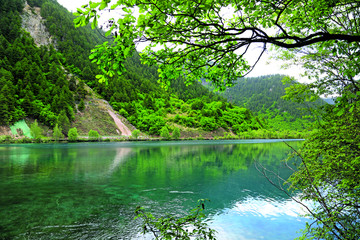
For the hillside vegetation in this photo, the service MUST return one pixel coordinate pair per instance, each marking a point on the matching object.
(48, 83)
(263, 95)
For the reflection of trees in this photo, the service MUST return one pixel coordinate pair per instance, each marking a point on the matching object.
(62, 184)
(223, 173)
(215, 160)
(48, 160)
(120, 158)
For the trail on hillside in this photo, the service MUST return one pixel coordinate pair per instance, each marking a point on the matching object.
(125, 131)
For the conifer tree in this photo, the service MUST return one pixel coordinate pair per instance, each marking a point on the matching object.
(35, 130)
(57, 132)
(63, 122)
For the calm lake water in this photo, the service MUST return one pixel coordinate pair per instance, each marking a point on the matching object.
(90, 190)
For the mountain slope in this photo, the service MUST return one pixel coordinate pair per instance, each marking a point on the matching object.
(263, 96)
(48, 82)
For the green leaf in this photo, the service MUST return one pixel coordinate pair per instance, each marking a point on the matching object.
(94, 5)
(114, 6)
(103, 6)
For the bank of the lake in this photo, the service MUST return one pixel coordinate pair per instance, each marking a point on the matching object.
(90, 190)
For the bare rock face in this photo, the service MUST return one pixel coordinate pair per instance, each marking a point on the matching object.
(33, 23)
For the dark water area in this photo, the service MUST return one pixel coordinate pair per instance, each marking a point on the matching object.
(90, 190)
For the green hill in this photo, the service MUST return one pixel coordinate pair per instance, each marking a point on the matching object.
(46, 80)
(263, 96)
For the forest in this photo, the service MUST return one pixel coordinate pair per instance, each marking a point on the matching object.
(47, 83)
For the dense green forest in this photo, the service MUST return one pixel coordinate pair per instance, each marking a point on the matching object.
(263, 95)
(32, 81)
(36, 84)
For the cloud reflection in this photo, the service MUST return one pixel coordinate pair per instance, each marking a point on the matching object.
(259, 218)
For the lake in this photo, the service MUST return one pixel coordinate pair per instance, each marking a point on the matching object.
(90, 190)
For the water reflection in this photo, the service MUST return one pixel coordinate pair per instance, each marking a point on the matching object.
(256, 218)
(91, 190)
(122, 154)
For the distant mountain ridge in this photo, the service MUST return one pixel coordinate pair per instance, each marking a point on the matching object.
(265, 92)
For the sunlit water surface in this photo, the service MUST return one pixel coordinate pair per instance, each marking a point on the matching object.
(90, 190)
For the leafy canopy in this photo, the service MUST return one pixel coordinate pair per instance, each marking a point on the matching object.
(210, 38)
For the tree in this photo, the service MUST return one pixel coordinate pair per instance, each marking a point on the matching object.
(164, 133)
(197, 40)
(35, 130)
(57, 132)
(63, 121)
(72, 134)
(94, 135)
(81, 105)
(135, 134)
(176, 133)
(187, 227)
(329, 174)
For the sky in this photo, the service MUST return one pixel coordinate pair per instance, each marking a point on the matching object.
(264, 67)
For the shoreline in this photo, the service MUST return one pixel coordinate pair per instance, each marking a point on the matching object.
(128, 139)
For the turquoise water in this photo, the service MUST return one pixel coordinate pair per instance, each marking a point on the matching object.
(90, 190)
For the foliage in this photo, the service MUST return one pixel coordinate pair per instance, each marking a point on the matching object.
(190, 226)
(94, 135)
(57, 132)
(63, 122)
(135, 134)
(32, 81)
(72, 134)
(81, 106)
(329, 173)
(194, 39)
(176, 133)
(264, 96)
(164, 133)
(35, 130)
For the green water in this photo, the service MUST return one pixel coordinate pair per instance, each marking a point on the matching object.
(90, 190)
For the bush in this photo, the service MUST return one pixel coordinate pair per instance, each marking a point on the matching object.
(72, 134)
(81, 106)
(94, 135)
(35, 130)
(123, 113)
(198, 104)
(164, 133)
(57, 132)
(176, 133)
(208, 124)
(135, 134)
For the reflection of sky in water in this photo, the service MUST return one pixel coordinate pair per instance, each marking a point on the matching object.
(80, 190)
(256, 218)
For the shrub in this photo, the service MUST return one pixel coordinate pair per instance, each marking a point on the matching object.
(176, 133)
(208, 124)
(57, 132)
(72, 134)
(135, 134)
(94, 135)
(81, 106)
(123, 113)
(164, 132)
(35, 130)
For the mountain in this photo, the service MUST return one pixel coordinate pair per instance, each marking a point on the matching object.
(263, 96)
(45, 71)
